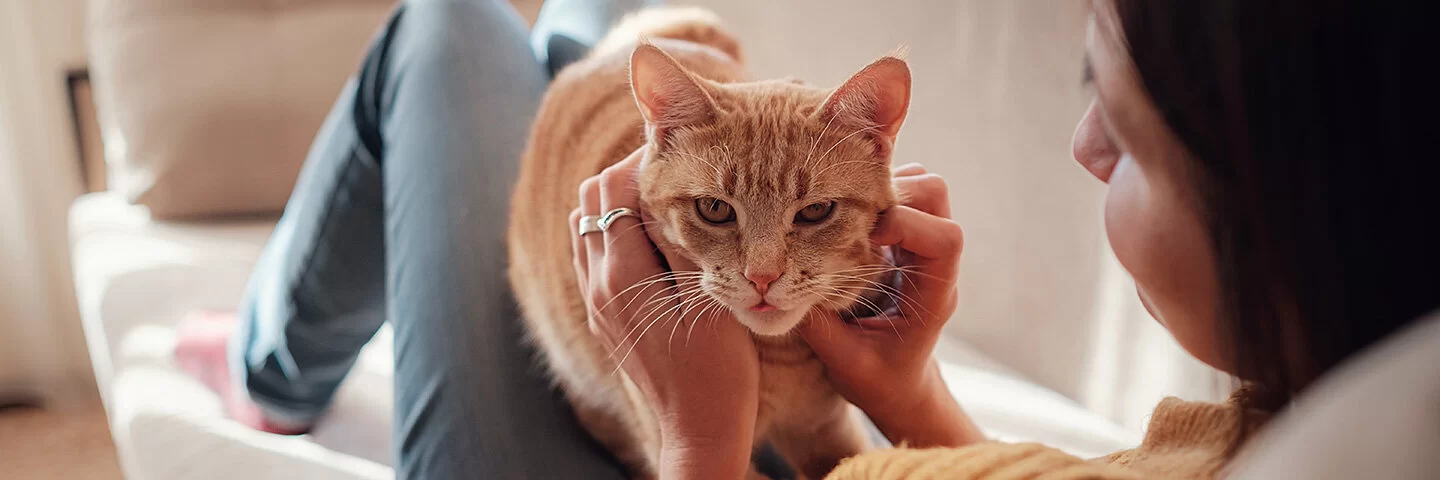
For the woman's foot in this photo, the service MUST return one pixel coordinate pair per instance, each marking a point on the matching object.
(200, 350)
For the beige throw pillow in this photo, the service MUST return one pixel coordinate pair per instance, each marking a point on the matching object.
(208, 107)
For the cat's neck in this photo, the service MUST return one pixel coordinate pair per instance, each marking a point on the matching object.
(783, 349)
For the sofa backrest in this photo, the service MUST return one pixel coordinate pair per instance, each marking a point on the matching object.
(208, 107)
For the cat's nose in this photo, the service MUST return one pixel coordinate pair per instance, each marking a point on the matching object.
(762, 280)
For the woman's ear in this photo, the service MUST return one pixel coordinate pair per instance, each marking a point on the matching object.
(667, 94)
(876, 98)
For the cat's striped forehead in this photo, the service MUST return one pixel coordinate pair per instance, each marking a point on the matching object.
(771, 147)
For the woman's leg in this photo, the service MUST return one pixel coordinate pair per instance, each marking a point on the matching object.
(400, 214)
(566, 29)
(459, 93)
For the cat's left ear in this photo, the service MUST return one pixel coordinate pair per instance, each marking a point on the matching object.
(876, 98)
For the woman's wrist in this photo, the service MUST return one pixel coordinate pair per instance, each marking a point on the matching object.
(706, 433)
(932, 417)
(710, 448)
(691, 457)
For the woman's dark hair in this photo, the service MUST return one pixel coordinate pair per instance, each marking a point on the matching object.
(1313, 151)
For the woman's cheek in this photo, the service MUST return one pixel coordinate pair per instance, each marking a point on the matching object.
(1126, 221)
(1164, 247)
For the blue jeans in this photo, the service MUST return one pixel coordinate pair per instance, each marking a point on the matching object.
(399, 215)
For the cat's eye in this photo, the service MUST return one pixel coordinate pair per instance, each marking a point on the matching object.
(715, 210)
(815, 212)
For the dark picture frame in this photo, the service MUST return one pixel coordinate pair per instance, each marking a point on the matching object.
(85, 125)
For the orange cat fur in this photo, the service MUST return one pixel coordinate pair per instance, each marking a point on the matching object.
(804, 170)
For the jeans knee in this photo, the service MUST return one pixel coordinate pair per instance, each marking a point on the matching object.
(454, 31)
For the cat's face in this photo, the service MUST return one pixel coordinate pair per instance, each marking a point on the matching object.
(771, 188)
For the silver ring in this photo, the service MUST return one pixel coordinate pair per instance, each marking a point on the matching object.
(587, 225)
(591, 224)
(610, 217)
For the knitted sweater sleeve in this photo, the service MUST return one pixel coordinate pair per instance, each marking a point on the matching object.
(987, 461)
(1185, 440)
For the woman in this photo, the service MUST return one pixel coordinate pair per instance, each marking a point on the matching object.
(1269, 191)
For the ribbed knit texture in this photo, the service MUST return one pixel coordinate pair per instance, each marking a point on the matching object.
(1185, 440)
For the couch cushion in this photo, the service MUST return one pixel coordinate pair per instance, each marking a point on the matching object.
(135, 279)
(209, 106)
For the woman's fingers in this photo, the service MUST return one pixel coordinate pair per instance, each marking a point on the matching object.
(630, 257)
(579, 257)
(934, 243)
(590, 206)
(908, 169)
(925, 235)
(926, 192)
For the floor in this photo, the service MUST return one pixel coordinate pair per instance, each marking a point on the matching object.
(38, 443)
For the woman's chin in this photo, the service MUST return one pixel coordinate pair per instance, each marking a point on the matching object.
(1149, 307)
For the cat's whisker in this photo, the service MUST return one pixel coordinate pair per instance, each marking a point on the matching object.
(635, 226)
(806, 165)
(861, 299)
(718, 174)
(695, 301)
(904, 273)
(667, 295)
(709, 306)
(856, 297)
(621, 363)
(891, 291)
(829, 294)
(821, 312)
(679, 291)
(904, 270)
(900, 299)
(842, 140)
(848, 162)
(683, 306)
(658, 319)
(636, 326)
(698, 316)
(644, 282)
(645, 315)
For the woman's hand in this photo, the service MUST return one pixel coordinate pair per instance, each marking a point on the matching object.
(703, 385)
(883, 364)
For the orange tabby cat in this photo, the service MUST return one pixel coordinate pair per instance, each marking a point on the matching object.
(771, 187)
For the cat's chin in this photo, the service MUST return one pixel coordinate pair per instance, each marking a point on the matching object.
(773, 323)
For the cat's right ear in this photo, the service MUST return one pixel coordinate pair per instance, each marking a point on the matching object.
(876, 100)
(668, 96)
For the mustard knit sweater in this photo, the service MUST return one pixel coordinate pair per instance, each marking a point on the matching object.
(1185, 440)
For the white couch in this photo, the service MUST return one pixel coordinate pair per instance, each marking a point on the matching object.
(136, 277)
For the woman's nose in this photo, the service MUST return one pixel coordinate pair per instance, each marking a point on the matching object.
(1092, 145)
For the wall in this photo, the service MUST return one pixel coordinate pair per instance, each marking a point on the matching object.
(42, 350)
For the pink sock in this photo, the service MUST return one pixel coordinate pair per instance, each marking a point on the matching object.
(201, 343)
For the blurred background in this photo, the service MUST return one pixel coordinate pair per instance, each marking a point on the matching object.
(141, 110)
